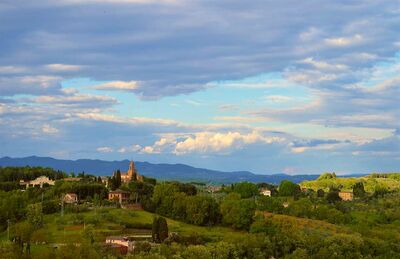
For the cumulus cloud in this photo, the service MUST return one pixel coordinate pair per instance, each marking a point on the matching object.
(211, 142)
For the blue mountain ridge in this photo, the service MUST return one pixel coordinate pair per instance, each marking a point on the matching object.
(179, 172)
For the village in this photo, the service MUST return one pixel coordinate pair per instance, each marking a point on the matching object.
(119, 195)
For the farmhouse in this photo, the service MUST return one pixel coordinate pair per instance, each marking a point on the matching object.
(346, 196)
(265, 192)
(118, 195)
(40, 181)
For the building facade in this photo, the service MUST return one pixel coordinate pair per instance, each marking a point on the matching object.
(40, 181)
(119, 195)
(131, 175)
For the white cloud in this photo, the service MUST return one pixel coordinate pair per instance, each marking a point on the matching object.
(214, 142)
(105, 149)
(131, 149)
(344, 41)
(323, 65)
(11, 69)
(118, 86)
(278, 98)
(49, 129)
(63, 67)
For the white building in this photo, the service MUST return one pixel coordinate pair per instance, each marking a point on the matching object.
(265, 192)
(40, 181)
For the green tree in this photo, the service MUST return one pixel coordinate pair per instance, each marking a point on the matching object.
(159, 229)
(246, 189)
(155, 230)
(162, 229)
(118, 180)
(163, 198)
(34, 215)
(237, 213)
(321, 193)
(288, 188)
(358, 190)
(333, 196)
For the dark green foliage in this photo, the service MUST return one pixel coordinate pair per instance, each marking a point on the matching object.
(82, 189)
(237, 213)
(320, 193)
(246, 189)
(15, 174)
(333, 196)
(201, 210)
(270, 204)
(288, 188)
(358, 190)
(162, 229)
(187, 188)
(159, 229)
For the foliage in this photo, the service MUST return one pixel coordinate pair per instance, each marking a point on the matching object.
(288, 188)
(237, 213)
(159, 229)
(15, 174)
(246, 189)
(358, 190)
(333, 196)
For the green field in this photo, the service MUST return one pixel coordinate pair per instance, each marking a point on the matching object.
(105, 222)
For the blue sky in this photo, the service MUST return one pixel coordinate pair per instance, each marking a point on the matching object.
(264, 86)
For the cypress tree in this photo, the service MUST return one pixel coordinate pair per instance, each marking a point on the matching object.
(155, 230)
(162, 229)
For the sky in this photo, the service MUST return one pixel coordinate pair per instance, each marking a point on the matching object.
(264, 86)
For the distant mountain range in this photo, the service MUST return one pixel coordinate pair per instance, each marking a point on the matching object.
(179, 172)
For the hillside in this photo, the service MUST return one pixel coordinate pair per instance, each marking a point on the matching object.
(160, 171)
(391, 182)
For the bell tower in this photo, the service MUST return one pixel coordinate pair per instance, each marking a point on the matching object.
(131, 170)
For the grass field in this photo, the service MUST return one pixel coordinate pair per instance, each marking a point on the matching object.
(111, 222)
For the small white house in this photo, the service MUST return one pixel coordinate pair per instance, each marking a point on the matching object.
(265, 192)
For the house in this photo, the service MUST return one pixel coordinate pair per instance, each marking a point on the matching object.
(71, 198)
(212, 188)
(346, 196)
(125, 243)
(120, 242)
(119, 195)
(132, 174)
(265, 192)
(40, 181)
